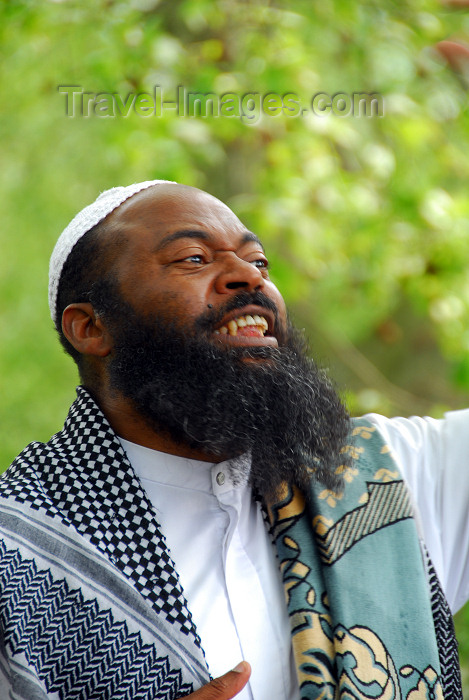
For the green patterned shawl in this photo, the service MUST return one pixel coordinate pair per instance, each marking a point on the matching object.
(355, 583)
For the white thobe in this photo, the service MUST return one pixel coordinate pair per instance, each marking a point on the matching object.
(227, 564)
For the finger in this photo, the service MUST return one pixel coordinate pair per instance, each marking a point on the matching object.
(225, 687)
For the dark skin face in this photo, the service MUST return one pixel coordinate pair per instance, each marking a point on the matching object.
(183, 252)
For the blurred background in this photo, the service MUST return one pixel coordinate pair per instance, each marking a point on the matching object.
(364, 212)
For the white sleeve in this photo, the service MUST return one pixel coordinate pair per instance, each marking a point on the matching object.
(434, 459)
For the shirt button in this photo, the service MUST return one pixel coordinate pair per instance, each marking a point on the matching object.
(220, 478)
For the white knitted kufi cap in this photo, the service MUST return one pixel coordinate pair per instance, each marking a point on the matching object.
(83, 222)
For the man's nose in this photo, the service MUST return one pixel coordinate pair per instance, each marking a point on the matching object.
(238, 274)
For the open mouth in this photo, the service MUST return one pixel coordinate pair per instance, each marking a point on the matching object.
(248, 329)
(247, 326)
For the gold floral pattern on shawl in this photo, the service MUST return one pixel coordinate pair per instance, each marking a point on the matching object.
(337, 655)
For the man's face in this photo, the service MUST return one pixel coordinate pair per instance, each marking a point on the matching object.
(184, 270)
(185, 256)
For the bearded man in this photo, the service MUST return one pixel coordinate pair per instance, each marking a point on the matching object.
(209, 499)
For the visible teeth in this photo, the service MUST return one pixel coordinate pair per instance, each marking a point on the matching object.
(260, 321)
(232, 327)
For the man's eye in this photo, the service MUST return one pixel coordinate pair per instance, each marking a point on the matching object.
(194, 258)
(261, 263)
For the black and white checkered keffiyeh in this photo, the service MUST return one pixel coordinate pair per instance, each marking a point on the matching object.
(81, 486)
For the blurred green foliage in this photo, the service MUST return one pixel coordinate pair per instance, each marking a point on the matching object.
(365, 219)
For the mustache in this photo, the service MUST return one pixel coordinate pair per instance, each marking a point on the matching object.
(212, 318)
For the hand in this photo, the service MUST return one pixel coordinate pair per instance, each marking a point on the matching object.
(224, 687)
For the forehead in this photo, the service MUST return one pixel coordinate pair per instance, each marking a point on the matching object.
(164, 209)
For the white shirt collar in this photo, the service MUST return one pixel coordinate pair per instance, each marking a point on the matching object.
(197, 475)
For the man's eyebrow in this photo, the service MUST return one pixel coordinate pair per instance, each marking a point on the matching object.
(249, 237)
(203, 235)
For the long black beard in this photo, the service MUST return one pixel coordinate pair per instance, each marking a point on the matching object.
(272, 402)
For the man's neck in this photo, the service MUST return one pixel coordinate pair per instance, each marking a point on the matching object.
(130, 425)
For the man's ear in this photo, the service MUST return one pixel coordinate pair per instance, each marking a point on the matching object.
(85, 330)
